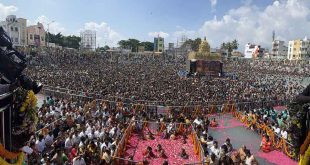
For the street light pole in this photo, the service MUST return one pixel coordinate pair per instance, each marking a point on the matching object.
(48, 36)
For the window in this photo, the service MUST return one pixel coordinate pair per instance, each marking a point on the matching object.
(16, 39)
(11, 28)
(42, 38)
(31, 36)
(16, 29)
(160, 45)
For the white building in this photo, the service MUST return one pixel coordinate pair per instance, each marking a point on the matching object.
(299, 49)
(88, 40)
(253, 51)
(16, 29)
(305, 48)
(279, 49)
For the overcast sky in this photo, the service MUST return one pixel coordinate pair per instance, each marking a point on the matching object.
(219, 20)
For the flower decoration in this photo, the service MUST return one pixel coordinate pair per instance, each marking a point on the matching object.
(10, 155)
(24, 116)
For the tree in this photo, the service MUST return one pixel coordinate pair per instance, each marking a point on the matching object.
(129, 44)
(134, 44)
(124, 44)
(230, 46)
(148, 46)
(65, 41)
(106, 47)
(71, 41)
(195, 44)
(103, 49)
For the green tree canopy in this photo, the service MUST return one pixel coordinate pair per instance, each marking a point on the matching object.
(148, 46)
(230, 46)
(194, 44)
(71, 41)
(134, 43)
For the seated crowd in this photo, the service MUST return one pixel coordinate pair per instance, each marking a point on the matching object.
(71, 134)
(78, 132)
(223, 154)
(277, 120)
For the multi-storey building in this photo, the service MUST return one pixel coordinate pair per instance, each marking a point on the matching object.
(298, 49)
(279, 49)
(253, 51)
(305, 48)
(88, 40)
(16, 29)
(159, 44)
(36, 35)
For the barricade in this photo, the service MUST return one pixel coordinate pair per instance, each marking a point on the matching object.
(278, 142)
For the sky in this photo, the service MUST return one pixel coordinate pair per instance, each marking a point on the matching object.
(248, 21)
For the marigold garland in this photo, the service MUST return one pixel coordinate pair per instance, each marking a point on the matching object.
(7, 154)
(31, 100)
(281, 144)
(19, 161)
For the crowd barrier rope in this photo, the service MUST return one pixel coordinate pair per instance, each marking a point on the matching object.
(214, 107)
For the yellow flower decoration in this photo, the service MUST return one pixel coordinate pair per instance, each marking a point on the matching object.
(19, 161)
(31, 100)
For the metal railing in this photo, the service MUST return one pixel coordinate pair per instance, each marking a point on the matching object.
(6, 120)
(240, 105)
(66, 91)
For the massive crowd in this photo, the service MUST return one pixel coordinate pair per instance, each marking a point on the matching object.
(73, 133)
(155, 79)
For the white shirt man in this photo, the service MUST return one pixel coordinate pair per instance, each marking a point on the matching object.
(112, 132)
(277, 130)
(81, 134)
(49, 139)
(76, 139)
(197, 121)
(90, 135)
(68, 143)
(40, 145)
(284, 134)
(216, 151)
(79, 161)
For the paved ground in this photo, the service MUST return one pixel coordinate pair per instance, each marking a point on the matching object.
(239, 135)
